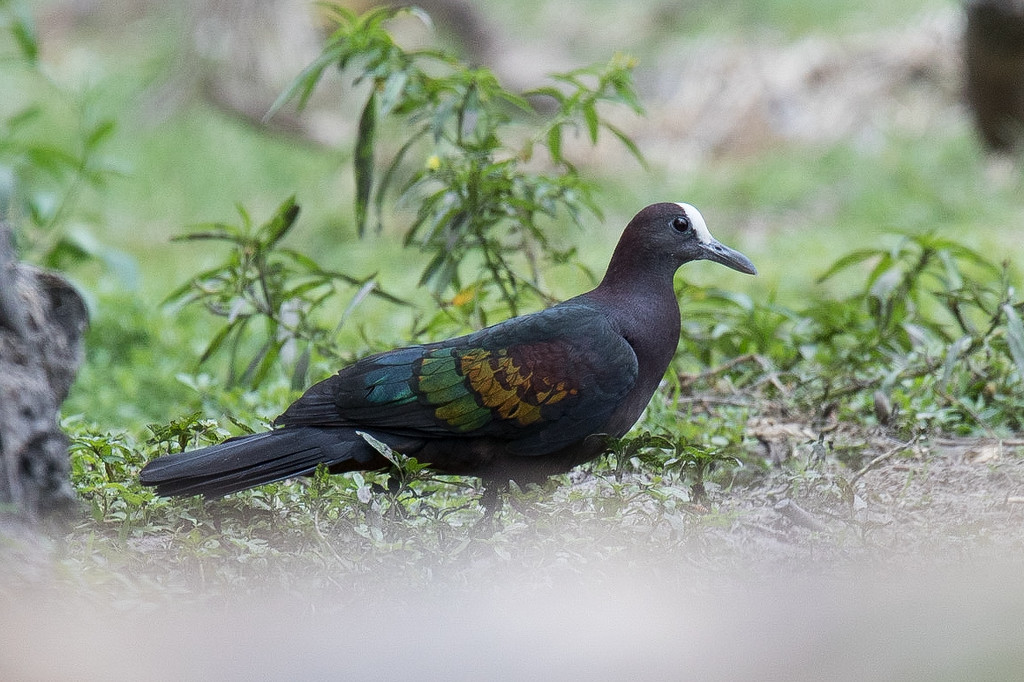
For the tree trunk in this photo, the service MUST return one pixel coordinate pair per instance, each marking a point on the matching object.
(42, 319)
(994, 58)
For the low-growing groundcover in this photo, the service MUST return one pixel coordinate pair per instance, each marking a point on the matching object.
(872, 422)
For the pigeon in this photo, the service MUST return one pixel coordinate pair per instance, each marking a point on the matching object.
(524, 399)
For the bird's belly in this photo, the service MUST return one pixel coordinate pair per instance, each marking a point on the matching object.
(492, 460)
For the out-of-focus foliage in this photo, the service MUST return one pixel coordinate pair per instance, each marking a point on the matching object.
(51, 150)
(450, 142)
(280, 288)
(480, 207)
(935, 330)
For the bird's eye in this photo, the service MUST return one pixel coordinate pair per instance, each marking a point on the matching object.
(681, 223)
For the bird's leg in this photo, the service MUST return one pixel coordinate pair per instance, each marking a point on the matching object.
(491, 500)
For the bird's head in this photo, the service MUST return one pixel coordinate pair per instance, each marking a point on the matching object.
(697, 243)
(666, 235)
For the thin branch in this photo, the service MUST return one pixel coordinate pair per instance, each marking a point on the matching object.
(688, 379)
(902, 447)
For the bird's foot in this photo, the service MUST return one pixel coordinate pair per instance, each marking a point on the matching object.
(492, 502)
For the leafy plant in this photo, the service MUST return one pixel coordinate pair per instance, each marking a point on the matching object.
(51, 149)
(679, 455)
(262, 283)
(178, 434)
(99, 462)
(939, 322)
(935, 328)
(899, 293)
(480, 208)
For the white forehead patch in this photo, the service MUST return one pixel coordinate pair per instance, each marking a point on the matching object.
(699, 226)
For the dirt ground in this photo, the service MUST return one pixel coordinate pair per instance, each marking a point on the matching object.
(902, 565)
(915, 577)
(961, 499)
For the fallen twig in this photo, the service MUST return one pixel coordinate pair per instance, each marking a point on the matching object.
(687, 379)
(881, 458)
(967, 442)
(715, 400)
(798, 515)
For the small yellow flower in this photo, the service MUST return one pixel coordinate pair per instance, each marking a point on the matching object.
(624, 61)
(463, 297)
(434, 162)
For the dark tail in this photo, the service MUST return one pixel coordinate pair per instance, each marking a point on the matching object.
(248, 461)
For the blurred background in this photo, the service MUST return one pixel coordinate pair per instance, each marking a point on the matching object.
(801, 129)
(804, 131)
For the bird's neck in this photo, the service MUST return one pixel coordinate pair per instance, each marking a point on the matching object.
(645, 312)
(642, 306)
(638, 278)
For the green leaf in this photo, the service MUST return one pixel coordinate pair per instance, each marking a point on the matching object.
(515, 100)
(276, 228)
(555, 143)
(300, 370)
(886, 283)
(23, 117)
(628, 143)
(268, 363)
(302, 289)
(67, 252)
(262, 362)
(440, 273)
(383, 448)
(848, 261)
(216, 342)
(98, 134)
(54, 160)
(1015, 337)
(954, 280)
(210, 232)
(553, 93)
(364, 160)
(24, 33)
(244, 215)
(368, 288)
(962, 252)
(953, 353)
(393, 167)
(590, 116)
(307, 80)
(393, 89)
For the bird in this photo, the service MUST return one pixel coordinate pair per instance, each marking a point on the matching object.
(527, 398)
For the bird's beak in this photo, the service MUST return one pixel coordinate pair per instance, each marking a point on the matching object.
(731, 258)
